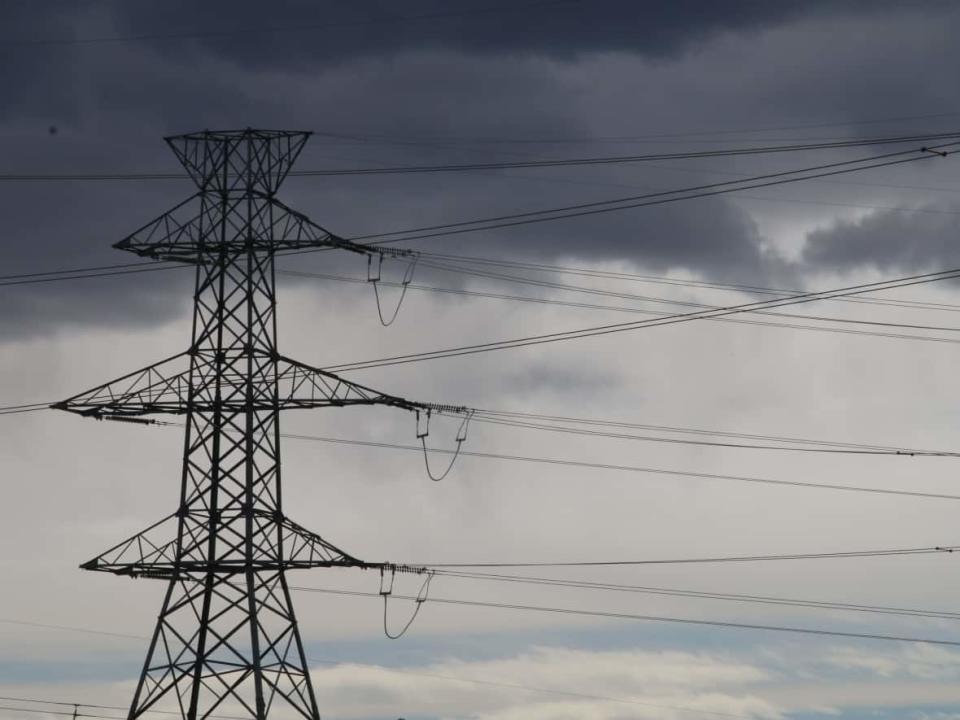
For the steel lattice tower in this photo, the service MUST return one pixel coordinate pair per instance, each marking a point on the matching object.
(227, 635)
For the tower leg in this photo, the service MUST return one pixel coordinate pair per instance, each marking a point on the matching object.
(226, 643)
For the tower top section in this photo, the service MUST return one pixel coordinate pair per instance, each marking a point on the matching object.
(250, 160)
(236, 210)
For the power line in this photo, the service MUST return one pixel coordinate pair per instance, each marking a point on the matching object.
(518, 164)
(31, 278)
(493, 416)
(97, 268)
(836, 555)
(563, 422)
(590, 422)
(107, 271)
(632, 616)
(60, 712)
(435, 676)
(45, 626)
(60, 275)
(615, 308)
(94, 706)
(658, 198)
(638, 324)
(681, 441)
(57, 275)
(701, 595)
(634, 138)
(609, 466)
(625, 468)
(542, 178)
(618, 159)
(102, 271)
(668, 301)
(661, 280)
(366, 665)
(472, 681)
(18, 409)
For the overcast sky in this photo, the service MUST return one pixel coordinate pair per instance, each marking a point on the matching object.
(94, 89)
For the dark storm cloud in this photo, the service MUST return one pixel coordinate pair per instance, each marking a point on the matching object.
(888, 242)
(309, 30)
(535, 73)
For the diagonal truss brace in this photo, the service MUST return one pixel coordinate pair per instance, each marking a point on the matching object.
(183, 234)
(153, 553)
(163, 388)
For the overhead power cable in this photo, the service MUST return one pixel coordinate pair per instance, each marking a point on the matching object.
(619, 159)
(654, 322)
(53, 276)
(95, 706)
(623, 468)
(669, 472)
(403, 671)
(647, 618)
(47, 626)
(662, 280)
(610, 466)
(620, 308)
(425, 674)
(541, 163)
(18, 409)
(670, 301)
(630, 138)
(727, 438)
(60, 276)
(486, 152)
(627, 468)
(65, 713)
(106, 271)
(411, 233)
(659, 197)
(151, 266)
(699, 595)
(836, 555)
(494, 420)
(755, 437)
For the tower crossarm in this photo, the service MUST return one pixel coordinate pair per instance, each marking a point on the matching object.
(302, 385)
(163, 388)
(159, 388)
(205, 229)
(155, 552)
(350, 245)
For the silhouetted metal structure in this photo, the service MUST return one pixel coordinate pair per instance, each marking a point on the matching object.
(227, 635)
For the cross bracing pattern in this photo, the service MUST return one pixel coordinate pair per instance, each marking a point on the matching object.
(164, 388)
(227, 635)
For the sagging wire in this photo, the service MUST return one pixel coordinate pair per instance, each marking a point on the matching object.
(423, 430)
(373, 276)
(386, 589)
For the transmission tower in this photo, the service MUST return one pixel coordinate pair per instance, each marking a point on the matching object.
(227, 638)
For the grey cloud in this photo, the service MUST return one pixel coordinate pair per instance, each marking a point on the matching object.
(113, 102)
(888, 241)
(563, 29)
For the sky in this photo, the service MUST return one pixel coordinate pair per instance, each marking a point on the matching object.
(94, 89)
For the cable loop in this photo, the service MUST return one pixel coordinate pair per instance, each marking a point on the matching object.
(373, 276)
(424, 430)
(422, 596)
